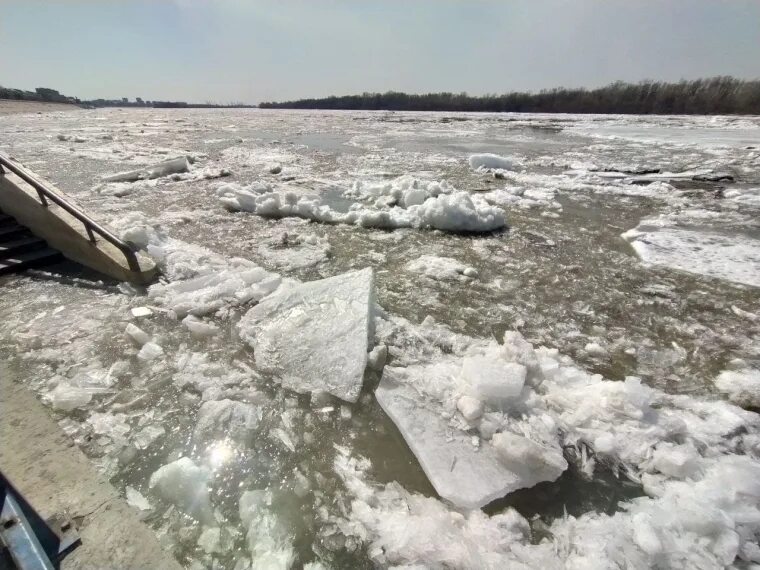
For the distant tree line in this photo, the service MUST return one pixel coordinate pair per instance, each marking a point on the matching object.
(52, 96)
(711, 96)
(39, 94)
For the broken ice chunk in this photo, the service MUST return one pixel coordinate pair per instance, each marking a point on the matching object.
(138, 312)
(470, 408)
(226, 419)
(467, 476)
(313, 336)
(198, 328)
(67, 397)
(184, 484)
(137, 334)
(493, 380)
(150, 351)
(531, 460)
(377, 357)
(137, 500)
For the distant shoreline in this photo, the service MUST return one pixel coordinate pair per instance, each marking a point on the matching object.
(15, 106)
(710, 96)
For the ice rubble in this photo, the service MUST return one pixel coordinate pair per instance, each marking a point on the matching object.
(268, 540)
(742, 386)
(734, 258)
(698, 461)
(313, 336)
(441, 268)
(405, 204)
(199, 282)
(487, 161)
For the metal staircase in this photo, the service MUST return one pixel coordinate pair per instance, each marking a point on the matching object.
(20, 249)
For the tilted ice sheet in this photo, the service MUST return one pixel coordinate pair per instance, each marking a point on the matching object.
(732, 257)
(468, 474)
(313, 336)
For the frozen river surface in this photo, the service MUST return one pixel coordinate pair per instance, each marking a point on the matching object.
(411, 340)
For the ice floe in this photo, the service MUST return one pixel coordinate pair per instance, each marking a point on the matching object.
(732, 257)
(313, 336)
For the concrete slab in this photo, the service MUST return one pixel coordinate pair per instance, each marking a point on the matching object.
(56, 477)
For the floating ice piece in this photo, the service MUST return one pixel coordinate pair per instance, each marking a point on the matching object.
(137, 500)
(440, 268)
(184, 484)
(313, 336)
(735, 258)
(67, 397)
(176, 165)
(226, 419)
(198, 328)
(150, 351)
(466, 476)
(489, 161)
(137, 334)
(138, 312)
(377, 357)
(741, 386)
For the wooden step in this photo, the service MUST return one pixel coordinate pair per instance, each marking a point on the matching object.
(29, 259)
(23, 244)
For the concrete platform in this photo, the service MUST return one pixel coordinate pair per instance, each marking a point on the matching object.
(56, 477)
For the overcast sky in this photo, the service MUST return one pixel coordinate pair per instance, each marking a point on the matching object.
(257, 50)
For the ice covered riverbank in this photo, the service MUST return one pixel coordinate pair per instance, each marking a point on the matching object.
(342, 395)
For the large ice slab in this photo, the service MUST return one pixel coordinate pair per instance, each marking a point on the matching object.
(313, 336)
(735, 258)
(470, 476)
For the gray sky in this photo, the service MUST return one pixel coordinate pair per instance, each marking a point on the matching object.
(251, 51)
